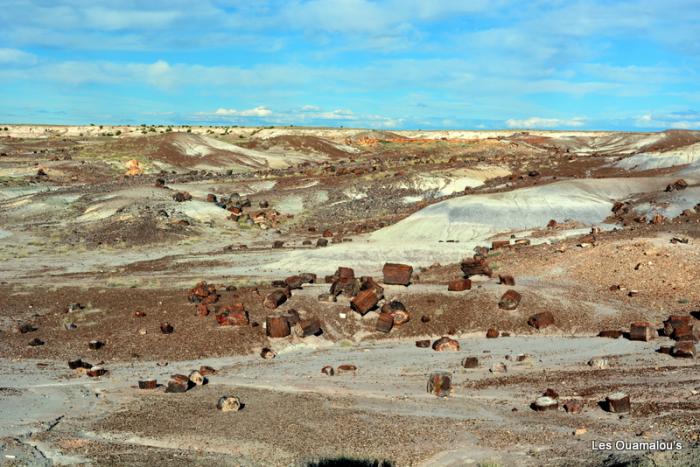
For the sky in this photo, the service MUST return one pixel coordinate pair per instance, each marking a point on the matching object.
(394, 64)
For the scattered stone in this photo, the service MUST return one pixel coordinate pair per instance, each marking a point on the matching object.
(541, 320)
(36, 342)
(545, 403)
(459, 285)
(96, 371)
(397, 274)
(679, 184)
(328, 370)
(549, 392)
(510, 300)
(75, 364)
(24, 328)
(475, 266)
(496, 244)
(573, 406)
(308, 277)
(364, 301)
(346, 368)
(206, 370)
(211, 198)
(277, 244)
(423, 344)
(267, 354)
(618, 402)
(148, 384)
(498, 368)
(611, 334)
(425, 319)
(446, 344)
(492, 333)
(178, 384)
(70, 326)
(275, 299)
(440, 383)
(166, 328)
(321, 242)
(470, 362)
(228, 404)
(277, 326)
(384, 322)
(95, 345)
(665, 349)
(642, 331)
(505, 279)
(294, 282)
(182, 196)
(327, 233)
(599, 363)
(310, 327)
(580, 431)
(197, 378)
(139, 314)
(684, 349)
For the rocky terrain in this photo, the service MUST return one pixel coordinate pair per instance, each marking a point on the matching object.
(318, 296)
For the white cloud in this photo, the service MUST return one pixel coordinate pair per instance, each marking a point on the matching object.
(537, 122)
(16, 57)
(260, 111)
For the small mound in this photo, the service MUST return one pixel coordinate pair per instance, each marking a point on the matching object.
(303, 143)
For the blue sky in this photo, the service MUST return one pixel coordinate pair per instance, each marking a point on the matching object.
(630, 65)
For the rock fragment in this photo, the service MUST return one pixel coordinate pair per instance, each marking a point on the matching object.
(599, 363)
(470, 362)
(475, 266)
(541, 320)
(328, 370)
(346, 368)
(459, 285)
(506, 279)
(545, 403)
(384, 322)
(492, 333)
(510, 300)
(684, 349)
(618, 402)
(166, 328)
(364, 301)
(642, 331)
(148, 384)
(446, 344)
(423, 343)
(611, 333)
(397, 274)
(440, 383)
(275, 299)
(277, 326)
(228, 404)
(267, 354)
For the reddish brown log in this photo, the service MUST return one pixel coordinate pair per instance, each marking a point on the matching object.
(459, 285)
(384, 322)
(364, 301)
(541, 320)
(618, 402)
(397, 274)
(277, 326)
(510, 300)
(642, 331)
(470, 362)
(275, 299)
